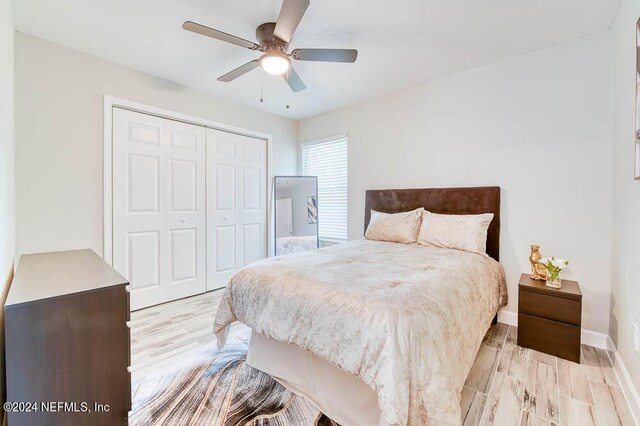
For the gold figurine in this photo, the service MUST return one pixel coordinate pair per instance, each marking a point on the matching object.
(538, 271)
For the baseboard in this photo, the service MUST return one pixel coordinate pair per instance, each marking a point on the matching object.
(588, 337)
(508, 317)
(629, 391)
(592, 338)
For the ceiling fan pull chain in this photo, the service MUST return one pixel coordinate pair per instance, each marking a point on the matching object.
(261, 87)
(287, 106)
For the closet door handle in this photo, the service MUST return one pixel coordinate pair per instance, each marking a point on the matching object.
(183, 220)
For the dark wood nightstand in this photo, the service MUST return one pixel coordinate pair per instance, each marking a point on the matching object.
(549, 319)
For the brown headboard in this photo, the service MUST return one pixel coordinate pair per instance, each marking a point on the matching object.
(473, 200)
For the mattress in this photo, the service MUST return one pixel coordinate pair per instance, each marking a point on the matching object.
(406, 320)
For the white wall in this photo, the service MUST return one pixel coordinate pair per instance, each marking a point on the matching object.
(538, 125)
(7, 243)
(625, 280)
(7, 218)
(59, 95)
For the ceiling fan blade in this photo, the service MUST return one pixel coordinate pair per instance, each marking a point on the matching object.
(325, 55)
(241, 70)
(291, 13)
(210, 32)
(293, 80)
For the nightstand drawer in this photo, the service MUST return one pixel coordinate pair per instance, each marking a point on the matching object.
(550, 307)
(551, 337)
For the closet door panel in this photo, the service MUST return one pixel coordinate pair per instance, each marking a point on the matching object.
(222, 204)
(138, 201)
(159, 232)
(186, 209)
(252, 192)
(236, 204)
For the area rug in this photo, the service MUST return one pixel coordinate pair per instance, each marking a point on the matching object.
(218, 388)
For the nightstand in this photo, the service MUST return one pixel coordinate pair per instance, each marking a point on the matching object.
(549, 319)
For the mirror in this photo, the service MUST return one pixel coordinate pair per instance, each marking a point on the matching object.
(296, 214)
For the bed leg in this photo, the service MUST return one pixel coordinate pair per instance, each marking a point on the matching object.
(494, 321)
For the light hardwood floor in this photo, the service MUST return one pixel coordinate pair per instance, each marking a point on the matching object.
(507, 385)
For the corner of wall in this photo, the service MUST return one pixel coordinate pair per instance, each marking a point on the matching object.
(7, 172)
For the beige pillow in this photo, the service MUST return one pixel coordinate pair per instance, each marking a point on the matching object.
(460, 232)
(394, 227)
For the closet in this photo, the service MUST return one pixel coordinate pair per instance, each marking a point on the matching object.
(189, 205)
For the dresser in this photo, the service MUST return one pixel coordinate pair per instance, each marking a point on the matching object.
(549, 319)
(67, 341)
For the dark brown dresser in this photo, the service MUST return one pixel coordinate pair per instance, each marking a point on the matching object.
(67, 342)
(549, 319)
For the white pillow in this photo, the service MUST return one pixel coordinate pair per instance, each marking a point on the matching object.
(460, 232)
(394, 227)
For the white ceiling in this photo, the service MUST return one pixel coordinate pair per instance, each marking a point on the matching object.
(400, 43)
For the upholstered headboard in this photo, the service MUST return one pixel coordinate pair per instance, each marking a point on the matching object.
(473, 200)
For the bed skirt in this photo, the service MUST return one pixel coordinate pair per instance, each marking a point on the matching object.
(342, 397)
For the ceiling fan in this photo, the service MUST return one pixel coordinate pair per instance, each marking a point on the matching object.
(274, 39)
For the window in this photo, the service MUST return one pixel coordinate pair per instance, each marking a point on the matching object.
(327, 159)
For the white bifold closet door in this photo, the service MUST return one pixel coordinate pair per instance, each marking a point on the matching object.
(236, 204)
(159, 209)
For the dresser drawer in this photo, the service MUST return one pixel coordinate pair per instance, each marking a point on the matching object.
(551, 337)
(550, 307)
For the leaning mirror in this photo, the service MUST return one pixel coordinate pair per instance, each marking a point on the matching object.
(296, 214)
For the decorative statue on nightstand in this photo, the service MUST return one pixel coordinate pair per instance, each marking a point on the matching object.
(538, 271)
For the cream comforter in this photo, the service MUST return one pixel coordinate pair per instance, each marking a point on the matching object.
(407, 320)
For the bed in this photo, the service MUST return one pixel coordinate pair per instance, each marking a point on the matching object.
(375, 332)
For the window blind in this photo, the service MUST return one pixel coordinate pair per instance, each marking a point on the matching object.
(327, 160)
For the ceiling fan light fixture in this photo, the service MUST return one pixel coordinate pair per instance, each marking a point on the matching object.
(275, 64)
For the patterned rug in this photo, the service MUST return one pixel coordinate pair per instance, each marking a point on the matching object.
(218, 388)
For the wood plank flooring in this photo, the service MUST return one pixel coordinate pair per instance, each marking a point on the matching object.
(164, 334)
(507, 385)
